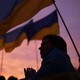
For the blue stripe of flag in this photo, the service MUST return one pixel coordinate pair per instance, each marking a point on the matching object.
(6, 7)
(13, 35)
(47, 21)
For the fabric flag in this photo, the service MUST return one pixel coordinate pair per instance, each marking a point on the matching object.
(35, 29)
(16, 12)
(13, 39)
(47, 25)
(1, 42)
(6, 8)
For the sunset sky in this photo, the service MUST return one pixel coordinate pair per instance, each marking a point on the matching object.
(25, 55)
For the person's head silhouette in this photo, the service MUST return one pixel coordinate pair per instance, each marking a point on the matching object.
(12, 78)
(2, 77)
(55, 41)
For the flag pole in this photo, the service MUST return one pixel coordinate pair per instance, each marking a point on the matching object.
(37, 64)
(2, 56)
(67, 30)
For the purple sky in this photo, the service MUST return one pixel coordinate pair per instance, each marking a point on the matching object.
(25, 56)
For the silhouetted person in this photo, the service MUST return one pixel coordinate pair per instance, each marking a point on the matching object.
(78, 71)
(79, 68)
(12, 78)
(2, 77)
(56, 64)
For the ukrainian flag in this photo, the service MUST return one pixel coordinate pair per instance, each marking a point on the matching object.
(42, 23)
(15, 12)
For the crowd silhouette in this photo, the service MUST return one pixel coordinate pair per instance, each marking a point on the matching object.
(56, 63)
(9, 78)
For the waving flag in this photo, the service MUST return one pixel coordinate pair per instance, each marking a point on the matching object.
(43, 23)
(47, 25)
(13, 39)
(15, 12)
